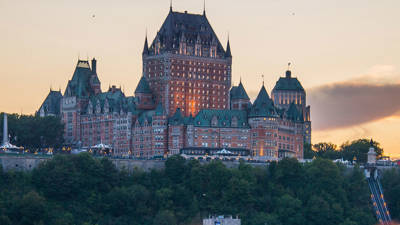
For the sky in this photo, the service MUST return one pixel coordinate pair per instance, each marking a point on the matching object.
(345, 53)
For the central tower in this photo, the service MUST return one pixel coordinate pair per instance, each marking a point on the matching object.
(186, 66)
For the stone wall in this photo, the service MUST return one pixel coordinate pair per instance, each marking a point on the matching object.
(26, 163)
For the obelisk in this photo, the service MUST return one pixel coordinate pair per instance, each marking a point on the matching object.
(5, 130)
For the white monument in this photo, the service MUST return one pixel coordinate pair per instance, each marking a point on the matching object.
(6, 145)
(371, 155)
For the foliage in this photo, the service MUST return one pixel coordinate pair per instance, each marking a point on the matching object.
(79, 189)
(349, 151)
(33, 132)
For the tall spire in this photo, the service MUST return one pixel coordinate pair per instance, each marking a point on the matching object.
(146, 46)
(170, 6)
(228, 50)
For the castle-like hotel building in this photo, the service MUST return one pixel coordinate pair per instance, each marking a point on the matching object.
(184, 99)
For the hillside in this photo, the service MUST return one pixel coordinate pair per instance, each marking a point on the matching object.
(78, 189)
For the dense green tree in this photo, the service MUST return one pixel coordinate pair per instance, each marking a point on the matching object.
(34, 132)
(80, 189)
(327, 151)
(358, 149)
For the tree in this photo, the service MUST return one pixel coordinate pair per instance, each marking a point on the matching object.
(165, 217)
(358, 149)
(327, 150)
(34, 132)
(308, 153)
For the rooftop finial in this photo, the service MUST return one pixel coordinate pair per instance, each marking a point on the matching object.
(263, 78)
(170, 5)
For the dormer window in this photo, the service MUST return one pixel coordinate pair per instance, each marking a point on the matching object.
(214, 121)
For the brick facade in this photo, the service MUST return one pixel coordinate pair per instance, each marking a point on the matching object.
(184, 99)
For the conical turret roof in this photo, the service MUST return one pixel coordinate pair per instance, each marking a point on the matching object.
(143, 86)
(239, 92)
(263, 106)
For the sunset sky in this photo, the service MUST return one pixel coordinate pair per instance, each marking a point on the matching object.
(345, 53)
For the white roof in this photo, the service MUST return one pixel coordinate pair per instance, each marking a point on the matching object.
(8, 145)
(224, 151)
(101, 146)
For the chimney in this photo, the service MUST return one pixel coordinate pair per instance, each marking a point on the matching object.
(288, 74)
(5, 130)
(94, 65)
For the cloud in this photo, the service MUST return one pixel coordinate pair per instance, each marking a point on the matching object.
(353, 103)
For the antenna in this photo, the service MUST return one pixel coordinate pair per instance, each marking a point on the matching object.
(204, 7)
(170, 5)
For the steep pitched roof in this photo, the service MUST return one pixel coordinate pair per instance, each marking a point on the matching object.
(177, 118)
(146, 47)
(224, 118)
(239, 92)
(188, 26)
(263, 105)
(228, 50)
(143, 86)
(288, 83)
(293, 113)
(115, 99)
(79, 85)
(51, 105)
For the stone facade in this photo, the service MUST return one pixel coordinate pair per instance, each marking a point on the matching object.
(183, 99)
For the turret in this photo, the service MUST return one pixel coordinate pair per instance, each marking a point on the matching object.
(144, 95)
(239, 98)
(146, 47)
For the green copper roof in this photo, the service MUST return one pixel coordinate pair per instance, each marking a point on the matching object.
(143, 86)
(51, 104)
(293, 113)
(79, 85)
(146, 116)
(263, 105)
(288, 83)
(239, 92)
(221, 118)
(177, 118)
(115, 99)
